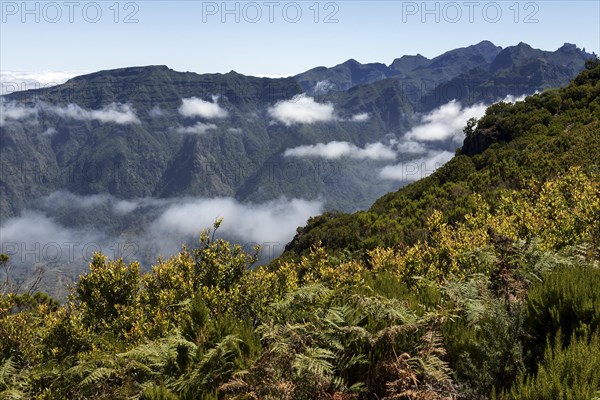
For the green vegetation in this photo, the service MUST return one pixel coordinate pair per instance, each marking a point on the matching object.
(477, 282)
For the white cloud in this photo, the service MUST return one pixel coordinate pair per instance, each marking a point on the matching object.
(14, 81)
(416, 169)
(445, 122)
(234, 130)
(115, 113)
(34, 227)
(121, 114)
(64, 198)
(49, 132)
(198, 128)
(33, 237)
(273, 221)
(272, 76)
(410, 147)
(155, 112)
(167, 225)
(302, 109)
(195, 107)
(322, 87)
(123, 207)
(513, 99)
(335, 150)
(15, 112)
(362, 117)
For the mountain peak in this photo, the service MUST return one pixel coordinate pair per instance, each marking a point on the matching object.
(122, 72)
(408, 63)
(485, 43)
(523, 45)
(351, 62)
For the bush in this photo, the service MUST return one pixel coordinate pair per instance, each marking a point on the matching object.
(568, 300)
(569, 373)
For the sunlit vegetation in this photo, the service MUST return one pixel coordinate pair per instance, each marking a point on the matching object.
(478, 282)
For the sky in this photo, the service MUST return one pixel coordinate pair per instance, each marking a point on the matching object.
(272, 38)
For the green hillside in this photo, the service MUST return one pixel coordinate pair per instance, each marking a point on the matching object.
(478, 282)
(512, 147)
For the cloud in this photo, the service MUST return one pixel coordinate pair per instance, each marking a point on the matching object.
(301, 109)
(445, 122)
(59, 223)
(272, 76)
(273, 221)
(14, 81)
(199, 128)
(16, 112)
(116, 113)
(34, 237)
(35, 227)
(513, 99)
(195, 107)
(234, 130)
(409, 147)
(416, 169)
(335, 150)
(49, 132)
(362, 117)
(121, 114)
(63, 199)
(322, 87)
(155, 112)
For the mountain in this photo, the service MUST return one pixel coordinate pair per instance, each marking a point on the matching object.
(412, 71)
(515, 70)
(235, 158)
(535, 140)
(117, 152)
(342, 77)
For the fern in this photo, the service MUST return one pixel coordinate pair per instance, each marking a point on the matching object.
(12, 394)
(314, 361)
(8, 371)
(98, 375)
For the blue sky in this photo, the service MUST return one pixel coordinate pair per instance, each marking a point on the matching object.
(286, 37)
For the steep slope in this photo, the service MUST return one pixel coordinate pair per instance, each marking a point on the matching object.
(512, 146)
(515, 71)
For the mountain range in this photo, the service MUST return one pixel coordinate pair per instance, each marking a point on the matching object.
(331, 136)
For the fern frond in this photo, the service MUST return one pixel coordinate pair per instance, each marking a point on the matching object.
(98, 375)
(8, 370)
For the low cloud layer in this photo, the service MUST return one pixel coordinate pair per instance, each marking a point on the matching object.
(121, 114)
(416, 169)
(195, 107)
(116, 113)
(198, 128)
(302, 109)
(10, 111)
(67, 200)
(273, 221)
(445, 122)
(43, 234)
(335, 150)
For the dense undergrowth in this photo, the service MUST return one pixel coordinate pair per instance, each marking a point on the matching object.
(478, 282)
